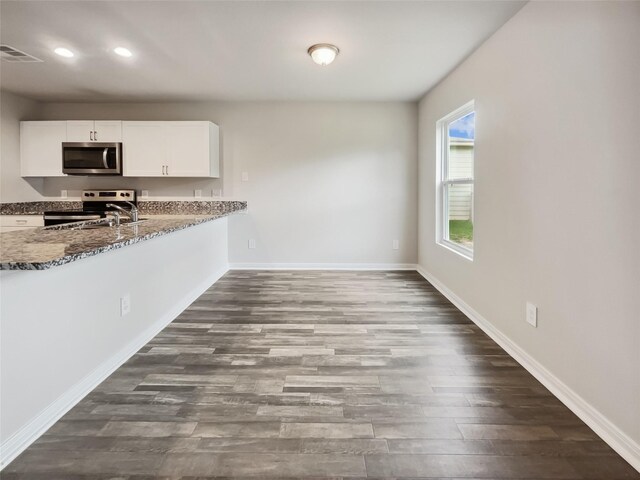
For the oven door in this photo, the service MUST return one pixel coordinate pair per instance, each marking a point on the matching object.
(92, 158)
(59, 218)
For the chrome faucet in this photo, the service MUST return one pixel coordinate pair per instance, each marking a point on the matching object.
(132, 213)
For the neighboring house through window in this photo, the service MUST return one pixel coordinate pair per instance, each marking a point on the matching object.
(455, 152)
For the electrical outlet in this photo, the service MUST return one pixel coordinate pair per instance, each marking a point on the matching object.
(252, 243)
(396, 245)
(125, 305)
(63, 194)
(532, 314)
(144, 193)
(216, 192)
(197, 193)
(245, 176)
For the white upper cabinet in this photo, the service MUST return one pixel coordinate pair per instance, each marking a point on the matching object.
(193, 149)
(108, 131)
(144, 149)
(171, 149)
(41, 148)
(150, 149)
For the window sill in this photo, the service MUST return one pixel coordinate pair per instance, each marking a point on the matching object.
(458, 249)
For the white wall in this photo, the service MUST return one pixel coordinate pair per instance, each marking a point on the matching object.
(13, 188)
(328, 182)
(557, 205)
(56, 349)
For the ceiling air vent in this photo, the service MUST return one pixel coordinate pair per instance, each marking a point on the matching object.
(13, 55)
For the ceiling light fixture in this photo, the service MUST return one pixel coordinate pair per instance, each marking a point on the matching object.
(123, 52)
(323, 53)
(64, 52)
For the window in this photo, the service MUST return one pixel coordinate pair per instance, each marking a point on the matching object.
(456, 137)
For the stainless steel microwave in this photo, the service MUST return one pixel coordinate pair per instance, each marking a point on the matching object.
(92, 158)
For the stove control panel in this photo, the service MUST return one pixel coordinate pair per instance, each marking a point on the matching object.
(108, 195)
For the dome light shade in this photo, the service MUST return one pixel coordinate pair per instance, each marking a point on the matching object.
(64, 52)
(323, 53)
(123, 52)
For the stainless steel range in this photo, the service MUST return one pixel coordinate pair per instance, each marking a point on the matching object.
(96, 204)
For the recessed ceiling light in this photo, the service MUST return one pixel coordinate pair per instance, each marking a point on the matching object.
(323, 53)
(64, 52)
(123, 52)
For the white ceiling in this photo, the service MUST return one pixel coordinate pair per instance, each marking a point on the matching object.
(237, 50)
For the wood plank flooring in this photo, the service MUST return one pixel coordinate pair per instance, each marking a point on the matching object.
(320, 375)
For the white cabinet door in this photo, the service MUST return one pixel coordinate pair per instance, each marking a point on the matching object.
(193, 149)
(144, 149)
(188, 149)
(10, 223)
(41, 148)
(79, 131)
(107, 131)
(94, 131)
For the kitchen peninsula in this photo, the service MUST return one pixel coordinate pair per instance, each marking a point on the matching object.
(42, 248)
(89, 298)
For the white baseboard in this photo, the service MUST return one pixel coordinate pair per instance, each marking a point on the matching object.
(624, 445)
(322, 266)
(18, 442)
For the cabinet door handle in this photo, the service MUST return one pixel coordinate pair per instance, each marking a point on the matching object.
(163, 169)
(167, 169)
(91, 135)
(95, 135)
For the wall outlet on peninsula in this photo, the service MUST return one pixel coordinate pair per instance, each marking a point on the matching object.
(125, 304)
(532, 314)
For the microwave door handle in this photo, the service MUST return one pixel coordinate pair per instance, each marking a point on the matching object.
(104, 158)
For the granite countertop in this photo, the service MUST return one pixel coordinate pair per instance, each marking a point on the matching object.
(45, 247)
(145, 206)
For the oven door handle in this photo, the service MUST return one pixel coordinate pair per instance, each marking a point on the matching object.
(104, 157)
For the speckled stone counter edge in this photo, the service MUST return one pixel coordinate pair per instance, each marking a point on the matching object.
(37, 208)
(146, 207)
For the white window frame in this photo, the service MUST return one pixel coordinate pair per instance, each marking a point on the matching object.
(443, 183)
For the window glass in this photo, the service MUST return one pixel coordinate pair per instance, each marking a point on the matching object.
(456, 136)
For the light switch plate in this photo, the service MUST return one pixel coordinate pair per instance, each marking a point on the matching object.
(144, 193)
(245, 176)
(197, 193)
(532, 314)
(396, 245)
(63, 194)
(252, 243)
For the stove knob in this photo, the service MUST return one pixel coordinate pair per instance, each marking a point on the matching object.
(122, 194)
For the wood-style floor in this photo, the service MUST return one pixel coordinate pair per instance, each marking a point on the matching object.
(322, 375)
